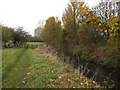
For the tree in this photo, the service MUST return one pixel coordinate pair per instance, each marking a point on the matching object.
(7, 35)
(52, 31)
(109, 18)
(37, 32)
(73, 14)
(105, 10)
(12, 37)
(20, 36)
(72, 17)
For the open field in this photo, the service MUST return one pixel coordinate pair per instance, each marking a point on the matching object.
(30, 68)
(35, 43)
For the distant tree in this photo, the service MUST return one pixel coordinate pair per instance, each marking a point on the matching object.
(37, 32)
(7, 34)
(20, 36)
(12, 37)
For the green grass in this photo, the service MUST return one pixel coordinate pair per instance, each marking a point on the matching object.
(28, 68)
(0, 58)
(35, 43)
(14, 66)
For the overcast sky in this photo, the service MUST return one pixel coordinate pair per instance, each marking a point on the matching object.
(28, 13)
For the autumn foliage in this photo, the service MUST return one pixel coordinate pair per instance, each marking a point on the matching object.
(85, 33)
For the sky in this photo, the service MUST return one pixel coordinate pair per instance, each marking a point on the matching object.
(30, 13)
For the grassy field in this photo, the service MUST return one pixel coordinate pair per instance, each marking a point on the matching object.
(28, 68)
(35, 43)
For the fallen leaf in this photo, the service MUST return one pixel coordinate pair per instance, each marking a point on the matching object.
(3, 85)
(60, 77)
(23, 82)
(61, 82)
(53, 85)
(28, 73)
(68, 80)
(51, 80)
(93, 82)
(81, 83)
(90, 81)
(52, 71)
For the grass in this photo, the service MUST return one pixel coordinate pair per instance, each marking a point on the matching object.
(0, 59)
(14, 66)
(35, 43)
(28, 68)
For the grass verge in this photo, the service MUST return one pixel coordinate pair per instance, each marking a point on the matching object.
(28, 68)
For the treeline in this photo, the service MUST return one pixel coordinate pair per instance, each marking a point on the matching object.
(86, 34)
(15, 37)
